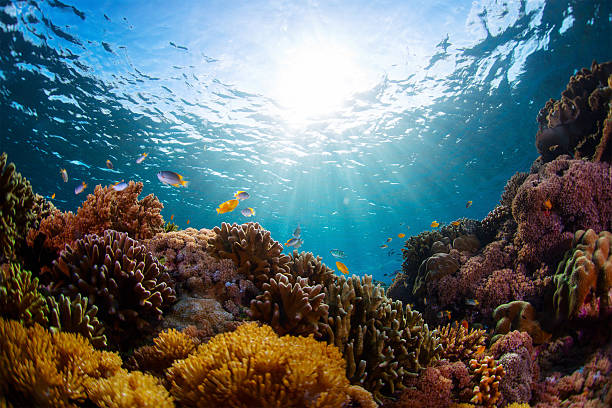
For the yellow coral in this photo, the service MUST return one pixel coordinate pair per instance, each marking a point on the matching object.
(38, 368)
(170, 345)
(252, 366)
(459, 343)
(487, 391)
(127, 390)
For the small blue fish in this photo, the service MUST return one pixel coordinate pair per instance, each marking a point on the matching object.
(120, 186)
(64, 174)
(109, 164)
(248, 212)
(297, 232)
(294, 242)
(80, 188)
(172, 178)
(141, 158)
(241, 195)
(336, 253)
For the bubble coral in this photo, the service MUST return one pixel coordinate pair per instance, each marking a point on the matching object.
(105, 209)
(490, 373)
(580, 198)
(43, 369)
(19, 296)
(76, 316)
(115, 273)
(460, 343)
(290, 305)
(16, 208)
(383, 342)
(169, 346)
(252, 366)
(584, 277)
(129, 389)
(254, 253)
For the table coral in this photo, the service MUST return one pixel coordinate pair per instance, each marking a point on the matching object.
(127, 284)
(383, 341)
(254, 253)
(19, 296)
(460, 343)
(76, 316)
(43, 369)
(291, 305)
(252, 366)
(580, 198)
(127, 390)
(584, 277)
(16, 208)
(573, 124)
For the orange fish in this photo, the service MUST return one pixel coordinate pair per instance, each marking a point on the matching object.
(464, 323)
(480, 350)
(52, 196)
(435, 224)
(227, 206)
(171, 217)
(455, 223)
(547, 206)
(342, 267)
(401, 235)
(187, 221)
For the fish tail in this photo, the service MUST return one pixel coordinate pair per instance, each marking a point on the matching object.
(184, 183)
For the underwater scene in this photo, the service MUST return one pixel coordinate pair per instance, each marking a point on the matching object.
(382, 203)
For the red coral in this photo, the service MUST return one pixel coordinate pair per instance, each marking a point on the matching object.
(579, 197)
(430, 389)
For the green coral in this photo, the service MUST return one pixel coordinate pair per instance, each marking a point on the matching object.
(74, 316)
(583, 280)
(170, 227)
(16, 208)
(19, 296)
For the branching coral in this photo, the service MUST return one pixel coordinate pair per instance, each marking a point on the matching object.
(489, 373)
(460, 343)
(519, 315)
(256, 255)
(126, 390)
(105, 209)
(120, 277)
(580, 196)
(252, 366)
(16, 208)
(573, 125)
(41, 369)
(291, 305)
(584, 277)
(306, 265)
(383, 342)
(169, 346)
(19, 296)
(74, 316)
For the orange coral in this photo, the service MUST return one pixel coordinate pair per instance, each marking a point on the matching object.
(44, 369)
(460, 343)
(252, 366)
(105, 209)
(126, 390)
(169, 346)
(487, 391)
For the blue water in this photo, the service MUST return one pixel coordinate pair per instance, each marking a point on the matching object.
(357, 120)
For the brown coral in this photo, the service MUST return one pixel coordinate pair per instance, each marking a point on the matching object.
(252, 366)
(120, 277)
(460, 343)
(291, 305)
(519, 315)
(76, 316)
(306, 265)
(19, 296)
(127, 390)
(256, 255)
(38, 368)
(489, 373)
(584, 277)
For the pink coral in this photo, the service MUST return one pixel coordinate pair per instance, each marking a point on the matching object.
(502, 286)
(579, 197)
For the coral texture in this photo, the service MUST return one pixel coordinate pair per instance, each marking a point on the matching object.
(489, 373)
(120, 277)
(105, 209)
(252, 366)
(19, 296)
(127, 390)
(580, 199)
(584, 278)
(460, 343)
(256, 255)
(16, 208)
(38, 368)
(169, 346)
(306, 265)
(573, 125)
(76, 316)
(519, 315)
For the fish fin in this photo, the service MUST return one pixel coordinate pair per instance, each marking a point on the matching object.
(184, 183)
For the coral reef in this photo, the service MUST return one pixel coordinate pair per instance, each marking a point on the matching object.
(519, 315)
(306, 265)
(574, 124)
(584, 278)
(254, 253)
(105, 209)
(41, 369)
(169, 346)
(126, 390)
(579, 200)
(291, 305)
(252, 366)
(76, 316)
(383, 342)
(16, 208)
(120, 277)
(460, 343)
(19, 296)
(490, 373)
